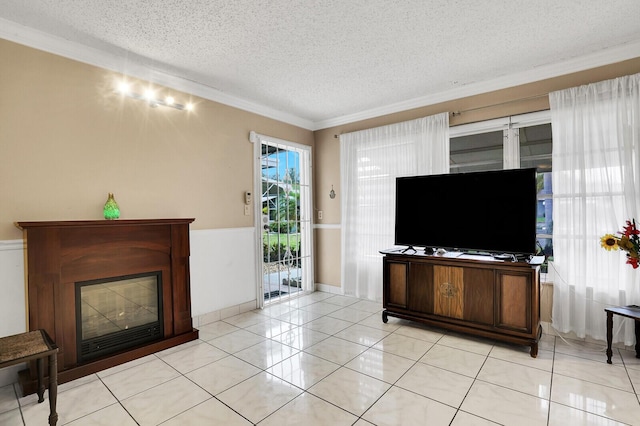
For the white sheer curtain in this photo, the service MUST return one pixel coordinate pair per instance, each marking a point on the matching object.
(370, 161)
(596, 188)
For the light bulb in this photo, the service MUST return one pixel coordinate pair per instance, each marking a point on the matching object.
(123, 87)
(189, 107)
(169, 100)
(149, 95)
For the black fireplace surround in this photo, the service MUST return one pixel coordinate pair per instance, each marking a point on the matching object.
(117, 313)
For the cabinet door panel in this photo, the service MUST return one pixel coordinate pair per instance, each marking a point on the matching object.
(514, 301)
(448, 291)
(478, 295)
(397, 283)
(420, 288)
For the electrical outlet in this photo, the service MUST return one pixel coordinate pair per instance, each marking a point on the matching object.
(247, 211)
(319, 214)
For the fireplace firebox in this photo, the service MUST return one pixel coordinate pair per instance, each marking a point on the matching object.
(107, 291)
(117, 313)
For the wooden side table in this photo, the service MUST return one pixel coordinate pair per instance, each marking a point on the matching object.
(34, 345)
(631, 311)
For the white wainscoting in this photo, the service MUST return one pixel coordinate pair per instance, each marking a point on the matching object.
(223, 269)
(13, 304)
(13, 311)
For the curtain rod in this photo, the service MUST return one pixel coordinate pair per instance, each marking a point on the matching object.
(460, 112)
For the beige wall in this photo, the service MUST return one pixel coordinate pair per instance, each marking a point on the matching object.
(66, 140)
(517, 100)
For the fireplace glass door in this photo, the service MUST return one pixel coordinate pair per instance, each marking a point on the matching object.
(117, 313)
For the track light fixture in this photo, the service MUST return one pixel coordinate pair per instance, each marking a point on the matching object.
(149, 96)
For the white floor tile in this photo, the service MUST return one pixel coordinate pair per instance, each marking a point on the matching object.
(467, 343)
(505, 406)
(401, 407)
(336, 350)
(108, 416)
(466, 419)
(381, 365)
(456, 360)
(350, 390)
(194, 357)
(596, 399)
(350, 314)
(303, 370)
(11, 418)
(140, 378)
(215, 329)
(210, 412)
(309, 410)
(236, 341)
(518, 377)
(362, 335)
(223, 374)
(561, 415)
(403, 346)
(341, 300)
(259, 396)
(435, 383)
(520, 355)
(265, 354)
(301, 338)
(328, 325)
(322, 359)
(8, 399)
(165, 401)
(593, 371)
(420, 332)
(72, 404)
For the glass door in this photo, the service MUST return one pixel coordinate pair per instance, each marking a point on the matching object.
(285, 170)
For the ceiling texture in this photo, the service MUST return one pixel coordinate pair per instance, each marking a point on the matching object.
(318, 64)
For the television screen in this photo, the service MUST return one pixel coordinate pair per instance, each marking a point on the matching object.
(491, 211)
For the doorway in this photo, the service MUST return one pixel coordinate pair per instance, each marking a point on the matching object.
(285, 219)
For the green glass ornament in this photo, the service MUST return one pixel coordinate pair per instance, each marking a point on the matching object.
(111, 209)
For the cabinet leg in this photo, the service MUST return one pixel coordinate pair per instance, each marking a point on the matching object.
(384, 317)
(534, 350)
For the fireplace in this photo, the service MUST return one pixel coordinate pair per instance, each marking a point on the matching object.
(107, 291)
(117, 313)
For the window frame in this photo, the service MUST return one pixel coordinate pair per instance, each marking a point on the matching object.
(510, 126)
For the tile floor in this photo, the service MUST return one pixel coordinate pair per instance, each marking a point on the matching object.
(324, 359)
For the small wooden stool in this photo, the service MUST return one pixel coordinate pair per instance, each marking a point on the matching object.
(34, 345)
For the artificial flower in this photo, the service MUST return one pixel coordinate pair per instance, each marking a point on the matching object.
(609, 242)
(628, 241)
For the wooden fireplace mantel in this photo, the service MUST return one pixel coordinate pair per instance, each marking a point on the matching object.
(62, 253)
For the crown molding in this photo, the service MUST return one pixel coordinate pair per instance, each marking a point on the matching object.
(597, 59)
(39, 40)
(42, 41)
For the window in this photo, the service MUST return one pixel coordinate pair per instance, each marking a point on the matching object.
(511, 142)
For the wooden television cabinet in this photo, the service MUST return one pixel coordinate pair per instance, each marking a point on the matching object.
(487, 298)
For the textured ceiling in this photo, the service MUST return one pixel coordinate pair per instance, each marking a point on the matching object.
(320, 62)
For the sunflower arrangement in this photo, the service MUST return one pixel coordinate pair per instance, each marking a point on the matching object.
(628, 240)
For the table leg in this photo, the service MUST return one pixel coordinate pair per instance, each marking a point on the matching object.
(53, 389)
(40, 365)
(609, 336)
(637, 339)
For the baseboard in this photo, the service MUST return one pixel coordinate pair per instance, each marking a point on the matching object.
(329, 288)
(220, 314)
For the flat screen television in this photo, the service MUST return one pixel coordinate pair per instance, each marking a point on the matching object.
(491, 211)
